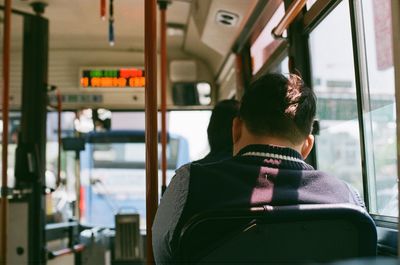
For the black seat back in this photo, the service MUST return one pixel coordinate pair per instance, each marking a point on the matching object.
(278, 234)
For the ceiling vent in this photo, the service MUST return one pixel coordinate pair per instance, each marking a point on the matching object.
(226, 18)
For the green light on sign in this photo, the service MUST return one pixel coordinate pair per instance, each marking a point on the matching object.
(96, 73)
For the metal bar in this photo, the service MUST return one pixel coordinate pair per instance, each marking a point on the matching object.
(6, 90)
(163, 31)
(385, 221)
(279, 53)
(291, 13)
(62, 226)
(270, 9)
(59, 112)
(251, 25)
(17, 12)
(78, 186)
(151, 120)
(60, 230)
(360, 103)
(66, 251)
(396, 63)
(317, 13)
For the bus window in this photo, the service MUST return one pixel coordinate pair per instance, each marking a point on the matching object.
(333, 80)
(13, 129)
(15, 83)
(59, 202)
(191, 94)
(113, 175)
(265, 44)
(310, 3)
(282, 67)
(381, 118)
(192, 125)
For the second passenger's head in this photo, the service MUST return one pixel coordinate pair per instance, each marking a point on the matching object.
(276, 110)
(219, 129)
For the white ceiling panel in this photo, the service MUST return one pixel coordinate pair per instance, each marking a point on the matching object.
(76, 24)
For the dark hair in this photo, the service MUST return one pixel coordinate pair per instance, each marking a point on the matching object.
(278, 106)
(219, 129)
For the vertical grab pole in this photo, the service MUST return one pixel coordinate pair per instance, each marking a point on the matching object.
(151, 120)
(163, 32)
(59, 113)
(6, 89)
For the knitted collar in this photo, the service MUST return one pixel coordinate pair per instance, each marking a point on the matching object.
(284, 154)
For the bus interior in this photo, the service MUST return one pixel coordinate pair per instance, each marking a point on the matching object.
(103, 100)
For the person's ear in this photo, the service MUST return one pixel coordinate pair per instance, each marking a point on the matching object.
(307, 146)
(236, 129)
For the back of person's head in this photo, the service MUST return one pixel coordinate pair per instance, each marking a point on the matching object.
(219, 129)
(277, 106)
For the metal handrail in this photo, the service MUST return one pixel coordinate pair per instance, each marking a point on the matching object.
(65, 251)
(59, 114)
(291, 13)
(151, 120)
(163, 32)
(6, 91)
(17, 12)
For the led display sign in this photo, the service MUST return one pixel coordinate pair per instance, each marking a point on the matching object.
(112, 78)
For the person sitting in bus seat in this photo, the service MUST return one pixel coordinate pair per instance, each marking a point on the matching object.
(271, 139)
(219, 131)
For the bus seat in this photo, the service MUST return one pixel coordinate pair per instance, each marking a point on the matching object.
(278, 234)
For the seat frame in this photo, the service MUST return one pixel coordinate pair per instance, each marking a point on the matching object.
(208, 235)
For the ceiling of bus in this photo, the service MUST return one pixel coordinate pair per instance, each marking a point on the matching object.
(76, 25)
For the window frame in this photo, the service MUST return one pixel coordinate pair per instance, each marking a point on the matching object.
(317, 13)
(363, 101)
(387, 226)
(396, 63)
(314, 16)
(281, 51)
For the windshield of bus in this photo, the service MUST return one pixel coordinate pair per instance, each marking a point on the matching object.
(113, 179)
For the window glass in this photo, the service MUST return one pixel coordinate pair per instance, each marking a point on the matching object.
(192, 125)
(338, 144)
(114, 179)
(282, 67)
(113, 174)
(60, 203)
(191, 93)
(265, 43)
(381, 118)
(310, 3)
(13, 129)
(16, 42)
